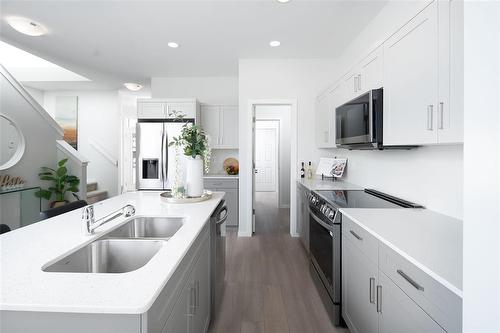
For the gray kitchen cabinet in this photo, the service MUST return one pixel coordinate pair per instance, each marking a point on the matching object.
(230, 187)
(399, 313)
(191, 311)
(377, 298)
(359, 278)
(303, 215)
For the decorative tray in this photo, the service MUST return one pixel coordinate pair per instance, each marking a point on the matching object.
(167, 196)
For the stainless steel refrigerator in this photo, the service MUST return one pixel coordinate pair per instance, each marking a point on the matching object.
(155, 159)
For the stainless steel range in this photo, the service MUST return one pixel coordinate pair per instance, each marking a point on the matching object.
(326, 240)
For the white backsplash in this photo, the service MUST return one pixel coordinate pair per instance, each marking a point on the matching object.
(218, 157)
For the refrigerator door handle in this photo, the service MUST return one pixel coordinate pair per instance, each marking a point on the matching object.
(165, 161)
(161, 155)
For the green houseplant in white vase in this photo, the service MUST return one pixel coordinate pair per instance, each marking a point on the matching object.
(195, 145)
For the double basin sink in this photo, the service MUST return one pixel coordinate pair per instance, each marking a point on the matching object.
(123, 249)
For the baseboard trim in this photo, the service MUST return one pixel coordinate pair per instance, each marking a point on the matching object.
(244, 233)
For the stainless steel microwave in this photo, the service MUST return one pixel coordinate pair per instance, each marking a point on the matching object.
(359, 122)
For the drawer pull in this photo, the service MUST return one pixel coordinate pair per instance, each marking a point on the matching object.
(356, 235)
(410, 280)
(372, 290)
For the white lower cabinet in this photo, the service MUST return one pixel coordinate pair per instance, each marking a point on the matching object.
(399, 313)
(373, 302)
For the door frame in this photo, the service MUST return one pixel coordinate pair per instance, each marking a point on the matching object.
(277, 130)
(246, 184)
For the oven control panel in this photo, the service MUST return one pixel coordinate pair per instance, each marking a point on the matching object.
(324, 208)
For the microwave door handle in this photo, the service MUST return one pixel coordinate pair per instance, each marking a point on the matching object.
(370, 116)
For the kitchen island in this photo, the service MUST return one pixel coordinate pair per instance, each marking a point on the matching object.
(140, 300)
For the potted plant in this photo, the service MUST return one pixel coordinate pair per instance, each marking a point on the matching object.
(61, 184)
(196, 148)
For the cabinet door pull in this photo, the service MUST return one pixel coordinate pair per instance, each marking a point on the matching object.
(410, 280)
(356, 235)
(197, 293)
(355, 83)
(372, 290)
(430, 116)
(379, 299)
(441, 115)
(192, 306)
(359, 82)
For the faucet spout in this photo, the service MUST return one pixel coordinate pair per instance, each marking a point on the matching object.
(91, 224)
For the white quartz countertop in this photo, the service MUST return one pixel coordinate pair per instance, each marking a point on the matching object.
(25, 287)
(433, 242)
(217, 176)
(317, 184)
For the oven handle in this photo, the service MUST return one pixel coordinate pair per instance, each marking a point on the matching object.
(317, 219)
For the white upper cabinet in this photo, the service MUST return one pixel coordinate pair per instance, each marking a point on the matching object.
(153, 108)
(451, 63)
(325, 115)
(322, 122)
(150, 110)
(221, 124)
(411, 81)
(371, 71)
(423, 78)
(420, 67)
(229, 124)
(211, 123)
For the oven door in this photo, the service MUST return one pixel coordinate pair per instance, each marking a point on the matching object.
(324, 243)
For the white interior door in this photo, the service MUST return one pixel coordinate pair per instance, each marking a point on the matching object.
(266, 156)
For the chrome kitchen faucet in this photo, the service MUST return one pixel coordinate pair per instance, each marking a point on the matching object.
(91, 224)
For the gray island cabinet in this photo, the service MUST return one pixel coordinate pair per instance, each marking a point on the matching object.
(183, 305)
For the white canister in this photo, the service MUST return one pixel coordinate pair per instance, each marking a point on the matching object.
(194, 176)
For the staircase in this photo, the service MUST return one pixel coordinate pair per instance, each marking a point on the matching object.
(94, 194)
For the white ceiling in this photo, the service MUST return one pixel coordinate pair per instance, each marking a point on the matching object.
(121, 41)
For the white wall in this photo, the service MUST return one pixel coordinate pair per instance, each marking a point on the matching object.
(281, 113)
(482, 168)
(40, 139)
(208, 90)
(98, 121)
(278, 79)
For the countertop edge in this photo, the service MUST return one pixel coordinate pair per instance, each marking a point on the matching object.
(412, 260)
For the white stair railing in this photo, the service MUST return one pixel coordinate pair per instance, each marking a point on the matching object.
(76, 165)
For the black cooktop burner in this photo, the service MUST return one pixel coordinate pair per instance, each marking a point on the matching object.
(363, 199)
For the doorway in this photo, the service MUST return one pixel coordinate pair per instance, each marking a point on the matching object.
(271, 159)
(267, 155)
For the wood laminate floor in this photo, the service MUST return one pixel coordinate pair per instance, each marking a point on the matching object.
(268, 287)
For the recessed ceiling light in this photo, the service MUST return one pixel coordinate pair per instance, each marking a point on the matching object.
(133, 86)
(26, 26)
(173, 45)
(274, 43)
(283, 1)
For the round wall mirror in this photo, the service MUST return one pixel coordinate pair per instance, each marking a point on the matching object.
(11, 143)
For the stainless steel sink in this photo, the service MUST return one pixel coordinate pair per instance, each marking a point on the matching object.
(148, 227)
(108, 256)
